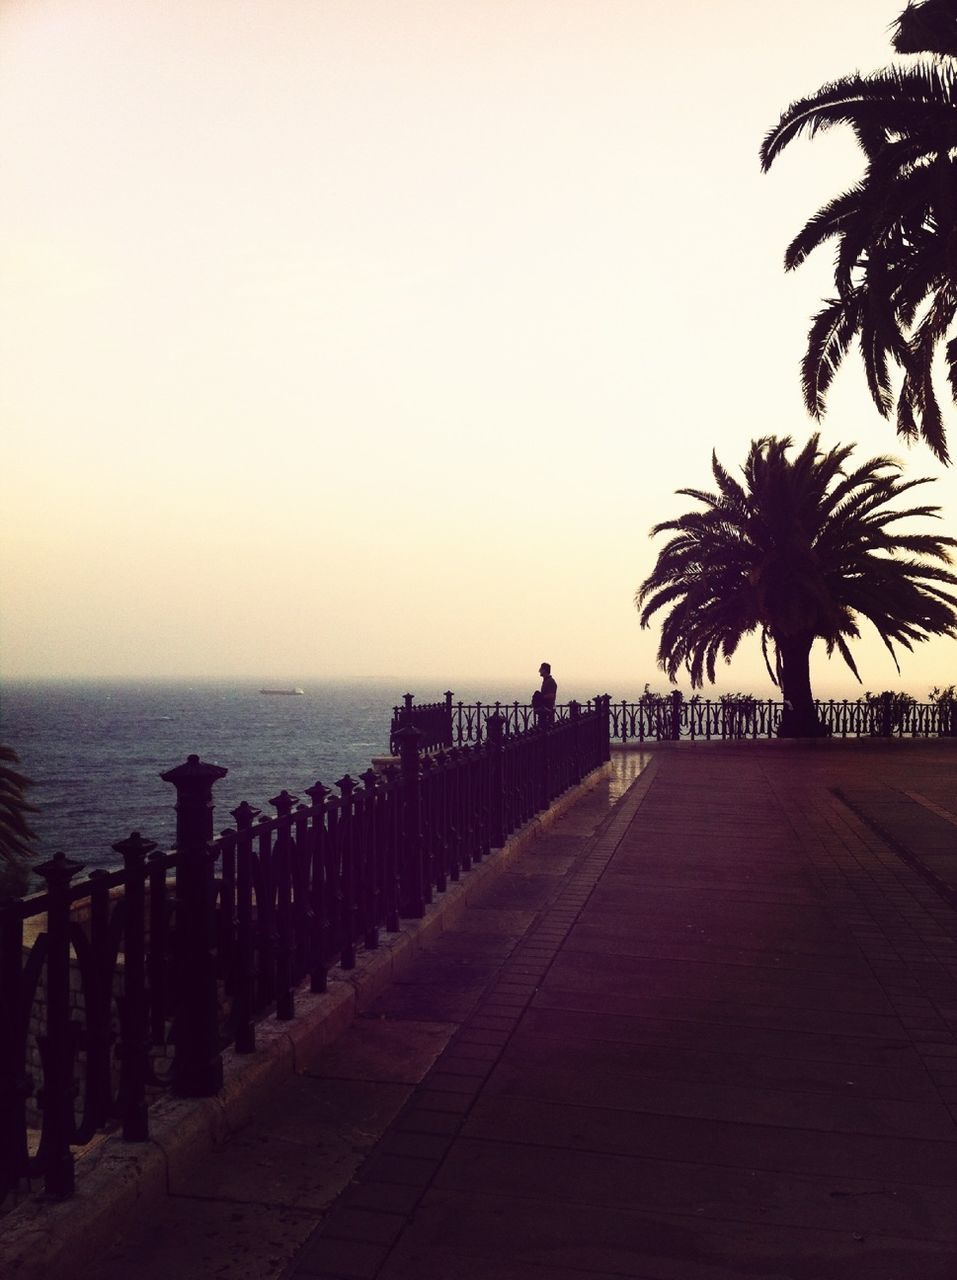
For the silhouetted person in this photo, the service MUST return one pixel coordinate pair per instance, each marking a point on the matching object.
(545, 708)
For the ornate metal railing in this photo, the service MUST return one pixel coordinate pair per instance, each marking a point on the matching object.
(469, 720)
(432, 719)
(693, 719)
(117, 984)
(674, 718)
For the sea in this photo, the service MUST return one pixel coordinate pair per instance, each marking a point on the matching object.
(94, 750)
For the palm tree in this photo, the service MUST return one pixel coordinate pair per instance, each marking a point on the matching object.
(800, 552)
(16, 838)
(896, 230)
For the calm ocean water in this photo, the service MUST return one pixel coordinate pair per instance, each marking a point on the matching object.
(95, 750)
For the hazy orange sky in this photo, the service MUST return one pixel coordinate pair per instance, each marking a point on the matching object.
(371, 336)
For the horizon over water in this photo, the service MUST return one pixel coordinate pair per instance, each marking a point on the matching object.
(95, 748)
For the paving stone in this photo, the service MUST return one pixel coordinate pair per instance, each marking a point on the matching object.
(377, 1048)
(366, 1225)
(444, 1002)
(460, 1063)
(656, 1184)
(469, 1046)
(384, 1197)
(423, 1146)
(192, 1239)
(435, 1099)
(650, 1004)
(408, 1171)
(561, 1081)
(302, 1149)
(449, 1082)
(717, 1037)
(429, 1120)
(696, 1061)
(342, 1259)
(631, 1243)
(618, 933)
(720, 1142)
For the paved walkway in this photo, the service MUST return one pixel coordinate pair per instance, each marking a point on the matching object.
(708, 1029)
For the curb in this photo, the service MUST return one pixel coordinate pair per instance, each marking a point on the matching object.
(116, 1179)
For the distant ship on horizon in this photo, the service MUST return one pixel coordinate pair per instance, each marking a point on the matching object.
(287, 692)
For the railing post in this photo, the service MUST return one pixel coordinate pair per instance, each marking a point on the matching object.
(603, 706)
(15, 1085)
(887, 706)
(348, 870)
(495, 732)
(134, 1033)
(574, 716)
(947, 723)
(57, 1046)
(448, 713)
(197, 1070)
(319, 890)
(411, 870)
(282, 860)
(676, 699)
(370, 838)
(545, 795)
(244, 1029)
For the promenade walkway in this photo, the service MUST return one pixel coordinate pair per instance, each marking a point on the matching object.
(704, 1028)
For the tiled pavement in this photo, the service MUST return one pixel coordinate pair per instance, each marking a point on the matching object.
(713, 1036)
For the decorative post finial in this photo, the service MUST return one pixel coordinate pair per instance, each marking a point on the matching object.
(197, 1070)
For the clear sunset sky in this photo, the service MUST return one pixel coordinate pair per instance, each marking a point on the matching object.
(370, 337)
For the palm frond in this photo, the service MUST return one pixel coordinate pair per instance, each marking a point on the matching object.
(927, 27)
(831, 333)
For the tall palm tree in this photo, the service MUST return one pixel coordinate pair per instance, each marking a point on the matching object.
(800, 551)
(896, 230)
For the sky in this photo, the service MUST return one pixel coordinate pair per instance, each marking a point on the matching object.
(346, 338)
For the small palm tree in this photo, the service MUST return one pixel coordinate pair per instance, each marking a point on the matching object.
(800, 552)
(895, 269)
(16, 838)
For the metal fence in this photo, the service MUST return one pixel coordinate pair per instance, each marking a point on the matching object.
(169, 959)
(432, 719)
(680, 719)
(448, 723)
(675, 718)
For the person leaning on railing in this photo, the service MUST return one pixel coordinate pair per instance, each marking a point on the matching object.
(543, 701)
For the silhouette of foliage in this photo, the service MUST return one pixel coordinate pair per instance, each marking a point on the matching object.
(928, 27)
(945, 700)
(895, 270)
(800, 551)
(898, 705)
(941, 696)
(16, 838)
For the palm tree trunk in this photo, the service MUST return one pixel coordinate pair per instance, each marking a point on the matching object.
(800, 719)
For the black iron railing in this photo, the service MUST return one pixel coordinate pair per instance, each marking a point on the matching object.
(674, 718)
(469, 720)
(691, 719)
(432, 719)
(131, 980)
